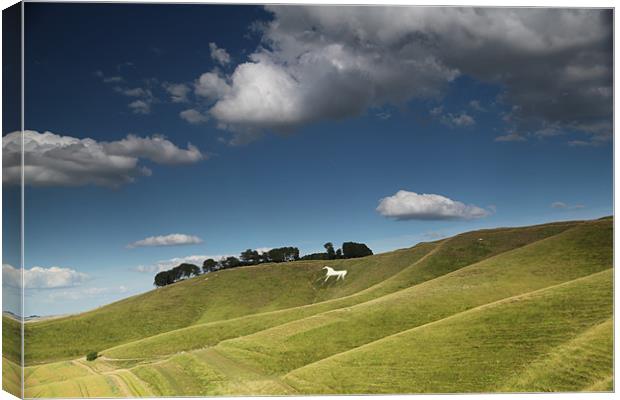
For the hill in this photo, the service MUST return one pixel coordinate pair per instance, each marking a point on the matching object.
(524, 308)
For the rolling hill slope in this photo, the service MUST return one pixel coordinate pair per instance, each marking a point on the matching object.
(268, 287)
(216, 296)
(569, 255)
(527, 309)
(476, 350)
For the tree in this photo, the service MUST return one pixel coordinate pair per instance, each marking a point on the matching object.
(315, 256)
(329, 247)
(264, 257)
(230, 262)
(92, 356)
(293, 253)
(187, 270)
(354, 250)
(283, 254)
(175, 274)
(250, 257)
(164, 278)
(339, 253)
(184, 270)
(209, 265)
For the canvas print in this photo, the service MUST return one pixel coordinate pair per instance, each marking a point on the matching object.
(232, 200)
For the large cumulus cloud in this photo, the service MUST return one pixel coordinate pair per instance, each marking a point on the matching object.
(56, 160)
(320, 63)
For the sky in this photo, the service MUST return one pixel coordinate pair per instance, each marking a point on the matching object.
(158, 134)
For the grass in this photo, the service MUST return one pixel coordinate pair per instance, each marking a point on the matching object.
(11, 377)
(523, 308)
(11, 356)
(216, 296)
(448, 256)
(79, 378)
(581, 363)
(578, 252)
(474, 351)
(11, 339)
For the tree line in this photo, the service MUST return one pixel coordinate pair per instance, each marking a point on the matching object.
(253, 257)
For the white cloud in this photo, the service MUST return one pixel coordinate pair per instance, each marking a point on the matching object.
(143, 95)
(164, 265)
(42, 278)
(319, 63)
(218, 54)
(600, 132)
(211, 85)
(279, 92)
(452, 120)
(461, 119)
(193, 116)
(384, 115)
(406, 205)
(156, 148)
(548, 130)
(174, 239)
(140, 107)
(108, 79)
(437, 111)
(56, 160)
(178, 92)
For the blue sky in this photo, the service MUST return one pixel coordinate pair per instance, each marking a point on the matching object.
(295, 137)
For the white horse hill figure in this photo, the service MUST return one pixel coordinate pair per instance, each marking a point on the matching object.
(333, 272)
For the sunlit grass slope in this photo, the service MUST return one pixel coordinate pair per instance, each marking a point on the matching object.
(431, 260)
(11, 355)
(581, 363)
(212, 297)
(518, 309)
(574, 253)
(11, 377)
(481, 349)
(11, 339)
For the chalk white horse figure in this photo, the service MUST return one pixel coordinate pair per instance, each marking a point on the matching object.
(333, 272)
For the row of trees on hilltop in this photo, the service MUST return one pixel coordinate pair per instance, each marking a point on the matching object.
(176, 274)
(348, 250)
(254, 257)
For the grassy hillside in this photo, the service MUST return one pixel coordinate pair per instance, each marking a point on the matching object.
(575, 253)
(11, 377)
(268, 287)
(11, 355)
(526, 309)
(473, 351)
(216, 296)
(448, 256)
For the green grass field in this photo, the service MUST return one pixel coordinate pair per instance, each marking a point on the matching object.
(11, 355)
(501, 310)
